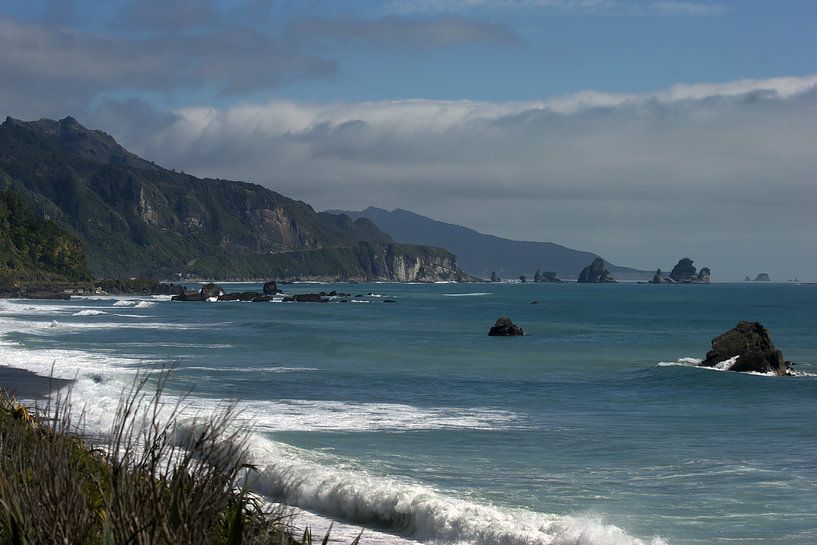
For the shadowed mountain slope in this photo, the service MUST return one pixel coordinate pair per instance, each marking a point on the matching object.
(480, 254)
(136, 218)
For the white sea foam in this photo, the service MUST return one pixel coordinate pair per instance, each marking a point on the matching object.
(414, 510)
(310, 415)
(126, 303)
(249, 369)
(725, 366)
(89, 312)
(324, 484)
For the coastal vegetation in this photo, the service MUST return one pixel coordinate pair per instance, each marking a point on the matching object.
(153, 480)
(36, 249)
(138, 219)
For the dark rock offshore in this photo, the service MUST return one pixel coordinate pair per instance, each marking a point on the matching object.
(596, 273)
(659, 278)
(271, 288)
(504, 327)
(684, 272)
(751, 346)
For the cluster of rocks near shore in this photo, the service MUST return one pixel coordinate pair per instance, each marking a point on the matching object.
(214, 292)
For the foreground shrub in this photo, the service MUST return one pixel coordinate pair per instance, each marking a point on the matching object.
(160, 479)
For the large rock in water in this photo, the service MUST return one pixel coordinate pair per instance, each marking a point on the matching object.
(749, 347)
(211, 290)
(684, 272)
(271, 288)
(595, 273)
(504, 327)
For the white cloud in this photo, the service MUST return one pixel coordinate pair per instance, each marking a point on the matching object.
(609, 7)
(710, 170)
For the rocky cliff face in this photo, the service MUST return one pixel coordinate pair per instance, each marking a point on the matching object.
(425, 268)
(136, 218)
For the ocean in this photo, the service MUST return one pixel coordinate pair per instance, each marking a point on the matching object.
(406, 419)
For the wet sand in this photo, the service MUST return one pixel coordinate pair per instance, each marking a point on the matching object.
(27, 385)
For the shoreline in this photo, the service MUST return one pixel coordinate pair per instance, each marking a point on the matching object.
(24, 384)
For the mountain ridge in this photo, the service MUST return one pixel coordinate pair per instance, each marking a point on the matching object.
(479, 254)
(137, 218)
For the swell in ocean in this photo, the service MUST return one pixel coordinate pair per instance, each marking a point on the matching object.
(319, 483)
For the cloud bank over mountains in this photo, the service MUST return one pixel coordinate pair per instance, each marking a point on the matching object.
(624, 173)
(723, 172)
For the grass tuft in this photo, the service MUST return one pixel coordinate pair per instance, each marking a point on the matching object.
(156, 480)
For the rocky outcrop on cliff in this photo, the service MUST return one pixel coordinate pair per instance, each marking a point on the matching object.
(596, 273)
(747, 347)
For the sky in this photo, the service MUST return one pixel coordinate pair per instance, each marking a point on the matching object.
(642, 130)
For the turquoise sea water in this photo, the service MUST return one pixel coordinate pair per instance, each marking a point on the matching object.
(408, 419)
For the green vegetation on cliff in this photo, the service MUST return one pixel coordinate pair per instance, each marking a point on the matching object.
(35, 249)
(136, 218)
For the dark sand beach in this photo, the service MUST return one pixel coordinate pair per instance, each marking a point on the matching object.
(27, 385)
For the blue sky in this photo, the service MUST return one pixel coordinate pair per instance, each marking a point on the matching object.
(644, 130)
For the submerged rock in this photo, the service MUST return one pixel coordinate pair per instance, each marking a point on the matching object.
(504, 327)
(240, 296)
(747, 347)
(306, 298)
(595, 273)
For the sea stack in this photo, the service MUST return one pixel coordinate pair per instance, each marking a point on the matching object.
(747, 347)
(684, 272)
(504, 327)
(595, 273)
(547, 276)
(660, 279)
(762, 277)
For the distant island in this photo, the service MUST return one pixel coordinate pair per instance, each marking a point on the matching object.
(761, 277)
(133, 218)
